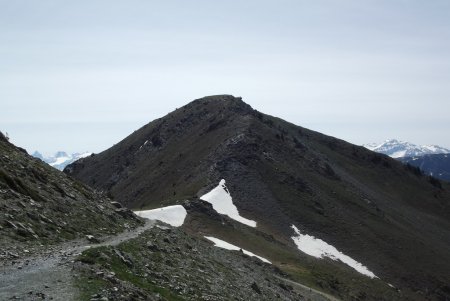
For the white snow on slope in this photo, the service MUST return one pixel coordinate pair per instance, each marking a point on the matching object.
(224, 245)
(172, 215)
(145, 143)
(398, 154)
(318, 248)
(222, 202)
(59, 161)
(84, 155)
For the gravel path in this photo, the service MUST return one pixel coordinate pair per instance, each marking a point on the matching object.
(309, 293)
(48, 276)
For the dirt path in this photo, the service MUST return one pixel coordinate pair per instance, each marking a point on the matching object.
(48, 276)
(309, 293)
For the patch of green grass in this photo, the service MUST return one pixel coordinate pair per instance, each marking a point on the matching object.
(88, 286)
(108, 259)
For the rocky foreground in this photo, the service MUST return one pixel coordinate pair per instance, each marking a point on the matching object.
(153, 262)
(165, 263)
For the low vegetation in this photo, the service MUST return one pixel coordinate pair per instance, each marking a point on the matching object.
(168, 264)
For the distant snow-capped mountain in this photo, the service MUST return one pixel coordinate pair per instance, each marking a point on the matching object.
(399, 149)
(61, 159)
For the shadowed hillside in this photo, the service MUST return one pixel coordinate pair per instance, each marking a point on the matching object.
(437, 166)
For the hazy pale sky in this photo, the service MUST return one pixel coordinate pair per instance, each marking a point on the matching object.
(82, 75)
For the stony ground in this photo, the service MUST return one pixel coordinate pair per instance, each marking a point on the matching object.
(40, 206)
(165, 263)
(147, 263)
(48, 273)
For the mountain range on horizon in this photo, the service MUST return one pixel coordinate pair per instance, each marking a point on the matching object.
(392, 147)
(432, 160)
(61, 158)
(290, 188)
(397, 149)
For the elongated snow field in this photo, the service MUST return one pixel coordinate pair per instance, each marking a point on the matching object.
(222, 202)
(318, 248)
(172, 215)
(225, 245)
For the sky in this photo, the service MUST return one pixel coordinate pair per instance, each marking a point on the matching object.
(82, 75)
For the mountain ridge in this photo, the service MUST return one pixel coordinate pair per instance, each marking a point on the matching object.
(61, 240)
(280, 175)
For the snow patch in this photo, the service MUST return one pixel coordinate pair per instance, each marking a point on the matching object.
(222, 202)
(225, 245)
(398, 154)
(84, 155)
(59, 161)
(145, 143)
(318, 248)
(172, 215)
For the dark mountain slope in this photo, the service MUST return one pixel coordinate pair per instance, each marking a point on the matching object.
(40, 205)
(437, 165)
(367, 205)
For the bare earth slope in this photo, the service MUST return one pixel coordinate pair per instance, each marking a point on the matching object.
(367, 205)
